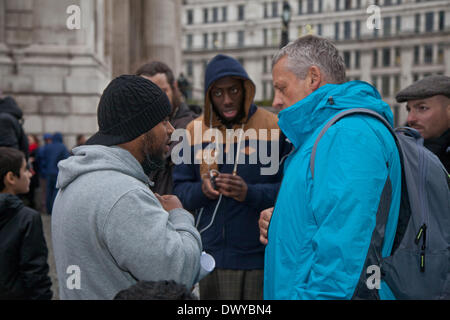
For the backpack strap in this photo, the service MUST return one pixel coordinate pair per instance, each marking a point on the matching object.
(338, 117)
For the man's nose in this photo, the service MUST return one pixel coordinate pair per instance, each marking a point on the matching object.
(170, 129)
(411, 118)
(277, 103)
(227, 99)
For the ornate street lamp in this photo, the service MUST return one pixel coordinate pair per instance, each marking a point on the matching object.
(286, 18)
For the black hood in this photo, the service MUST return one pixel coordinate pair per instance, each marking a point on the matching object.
(9, 206)
(10, 106)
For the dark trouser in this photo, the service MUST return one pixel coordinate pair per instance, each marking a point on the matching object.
(224, 284)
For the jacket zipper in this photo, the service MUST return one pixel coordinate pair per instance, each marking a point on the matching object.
(422, 233)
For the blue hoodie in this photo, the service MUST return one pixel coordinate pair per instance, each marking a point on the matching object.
(321, 229)
(53, 153)
(233, 237)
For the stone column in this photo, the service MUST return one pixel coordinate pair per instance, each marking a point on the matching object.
(162, 32)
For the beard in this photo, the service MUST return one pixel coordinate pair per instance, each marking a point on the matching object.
(154, 155)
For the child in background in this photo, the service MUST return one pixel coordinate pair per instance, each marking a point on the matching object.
(23, 250)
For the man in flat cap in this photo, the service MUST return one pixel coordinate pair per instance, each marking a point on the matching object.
(428, 106)
(109, 230)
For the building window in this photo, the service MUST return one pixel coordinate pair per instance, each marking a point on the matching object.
(190, 16)
(347, 59)
(440, 54)
(274, 9)
(416, 54)
(205, 15)
(215, 15)
(358, 29)
(205, 41)
(310, 6)
(374, 81)
(189, 41)
(357, 59)
(388, 2)
(337, 5)
(215, 40)
(264, 60)
(358, 4)
(375, 58)
(224, 39)
(224, 14)
(387, 26)
(417, 23)
(266, 12)
(241, 15)
(396, 83)
(386, 57)
(398, 24)
(428, 54)
(385, 86)
(429, 21)
(240, 38)
(189, 68)
(320, 6)
(204, 65)
(441, 20)
(398, 57)
(319, 29)
(265, 37)
(348, 4)
(347, 30)
(275, 41)
(300, 7)
(336, 31)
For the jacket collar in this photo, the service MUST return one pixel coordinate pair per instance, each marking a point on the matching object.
(301, 120)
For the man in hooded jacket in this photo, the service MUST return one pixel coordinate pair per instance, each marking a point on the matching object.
(52, 155)
(228, 207)
(109, 230)
(11, 130)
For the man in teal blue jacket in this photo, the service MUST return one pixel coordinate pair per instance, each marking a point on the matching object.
(321, 228)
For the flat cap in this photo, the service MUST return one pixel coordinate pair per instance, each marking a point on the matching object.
(425, 88)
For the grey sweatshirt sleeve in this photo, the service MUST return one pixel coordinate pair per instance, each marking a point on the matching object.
(151, 243)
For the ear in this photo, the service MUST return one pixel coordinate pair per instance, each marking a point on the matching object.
(9, 179)
(314, 78)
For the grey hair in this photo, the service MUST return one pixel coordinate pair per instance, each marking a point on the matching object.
(310, 51)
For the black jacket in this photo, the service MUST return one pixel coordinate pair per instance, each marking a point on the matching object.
(441, 148)
(11, 131)
(23, 252)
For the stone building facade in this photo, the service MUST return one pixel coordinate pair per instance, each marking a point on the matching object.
(413, 40)
(57, 74)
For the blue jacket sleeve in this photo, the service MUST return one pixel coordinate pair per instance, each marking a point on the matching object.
(350, 172)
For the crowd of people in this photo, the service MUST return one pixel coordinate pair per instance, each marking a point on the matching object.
(135, 221)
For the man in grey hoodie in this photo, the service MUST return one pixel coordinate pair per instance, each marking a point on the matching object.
(109, 230)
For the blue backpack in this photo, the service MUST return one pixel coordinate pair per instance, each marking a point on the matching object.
(419, 264)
